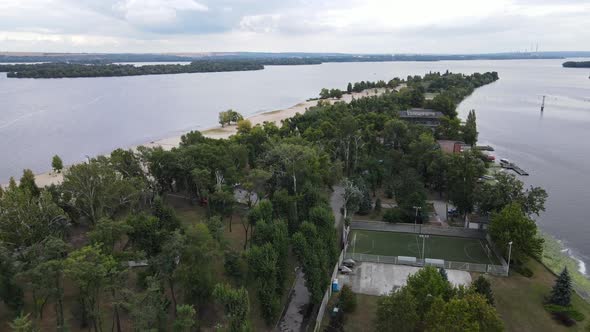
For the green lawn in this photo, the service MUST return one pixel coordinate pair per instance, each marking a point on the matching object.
(519, 301)
(405, 244)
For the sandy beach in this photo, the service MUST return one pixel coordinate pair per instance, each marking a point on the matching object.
(49, 178)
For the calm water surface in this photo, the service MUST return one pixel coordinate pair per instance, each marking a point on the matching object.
(89, 116)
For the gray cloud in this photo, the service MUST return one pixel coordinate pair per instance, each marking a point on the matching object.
(292, 25)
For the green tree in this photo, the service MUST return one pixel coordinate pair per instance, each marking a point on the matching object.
(166, 263)
(108, 233)
(262, 266)
(144, 233)
(349, 88)
(324, 93)
(236, 305)
(26, 219)
(90, 269)
(561, 293)
(194, 272)
(43, 276)
(493, 197)
(27, 182)
(57, 164)
(468, 313)
(482, 286)
(463, 173)
(11, 292)
(347, 301)
(470, 129)
(397, 311)
(426, 285)
(186, 318)
(96, 190)
(23, 323)
(147, 309)
(512, 225)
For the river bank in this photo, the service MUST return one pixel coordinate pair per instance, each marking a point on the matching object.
(217, 132)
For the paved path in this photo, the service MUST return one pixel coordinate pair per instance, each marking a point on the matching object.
(296, 316)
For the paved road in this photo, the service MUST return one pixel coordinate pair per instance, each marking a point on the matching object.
(296, 317)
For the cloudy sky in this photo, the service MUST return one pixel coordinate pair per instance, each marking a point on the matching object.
(359, 26)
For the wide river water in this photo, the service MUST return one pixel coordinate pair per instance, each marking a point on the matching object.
(90, 116)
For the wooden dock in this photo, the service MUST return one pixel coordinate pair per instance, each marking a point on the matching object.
(515, 168)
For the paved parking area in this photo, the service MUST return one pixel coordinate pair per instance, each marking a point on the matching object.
(380, 279)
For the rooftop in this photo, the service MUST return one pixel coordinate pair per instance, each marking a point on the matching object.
(420, 113)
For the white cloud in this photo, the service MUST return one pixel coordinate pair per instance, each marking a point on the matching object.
(374, 26)
(149, 12)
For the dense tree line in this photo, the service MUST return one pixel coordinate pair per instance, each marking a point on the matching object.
(61, 70)
(576, 64)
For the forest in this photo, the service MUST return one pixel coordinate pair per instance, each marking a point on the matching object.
(208, 234)
(576, 64)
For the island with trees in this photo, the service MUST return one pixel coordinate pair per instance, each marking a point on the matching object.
(208, 235)
(576, 64)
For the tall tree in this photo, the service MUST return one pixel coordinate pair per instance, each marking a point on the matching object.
(561, 294)
(185, 319)
(236, 306)
(464, 171)
(27, 182)
(470, 129)
(493, 197)
(512, 225)
(57, 164)
(469, 313)
(97, 190)
(90, 269)
(397, 311)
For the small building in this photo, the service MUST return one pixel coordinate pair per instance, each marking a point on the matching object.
(449, 146)
(478, 221)
(422, 116)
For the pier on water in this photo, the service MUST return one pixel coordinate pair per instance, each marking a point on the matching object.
(515, 168)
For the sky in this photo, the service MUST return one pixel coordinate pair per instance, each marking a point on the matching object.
(350, 26)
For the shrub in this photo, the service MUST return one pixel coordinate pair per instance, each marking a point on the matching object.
(565, 315)
(347, 301)
(393, 215)
(522, 270)
(482, 286)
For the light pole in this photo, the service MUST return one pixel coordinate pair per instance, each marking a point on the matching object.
(417, 208)
(509, 254)
(424, 237)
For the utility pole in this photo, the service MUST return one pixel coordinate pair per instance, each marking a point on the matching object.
(509, 254)
(417, 208)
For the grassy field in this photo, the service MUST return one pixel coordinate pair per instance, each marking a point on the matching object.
(555, 259)
(405, 244)
(519, 301)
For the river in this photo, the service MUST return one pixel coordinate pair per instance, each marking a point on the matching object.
(90, 116)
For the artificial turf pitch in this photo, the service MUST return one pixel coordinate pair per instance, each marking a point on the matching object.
(457, 249)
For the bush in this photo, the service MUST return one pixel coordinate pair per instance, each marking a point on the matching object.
(522, 270)
(393, 215)
(565, 315)
(347, 301)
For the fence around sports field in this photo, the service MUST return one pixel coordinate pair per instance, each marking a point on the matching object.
(450, 265)
(501, 269)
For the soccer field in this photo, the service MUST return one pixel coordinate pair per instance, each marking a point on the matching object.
(457, 249)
